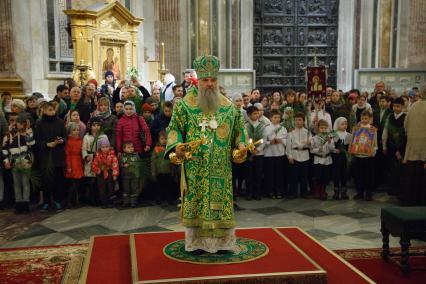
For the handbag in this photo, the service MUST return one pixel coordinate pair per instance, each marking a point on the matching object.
(142, 134)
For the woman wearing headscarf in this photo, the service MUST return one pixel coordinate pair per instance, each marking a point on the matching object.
(109, 121)
(341, 143)
(130, 128)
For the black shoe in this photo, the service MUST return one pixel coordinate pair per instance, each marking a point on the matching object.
(358, 197)
(25, 207)
(248, 197)
(344, 196)
(1, 206)
(257, 197)
(336, 195)
(18, 208)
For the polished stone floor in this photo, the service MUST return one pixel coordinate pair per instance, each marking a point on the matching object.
(337, 224)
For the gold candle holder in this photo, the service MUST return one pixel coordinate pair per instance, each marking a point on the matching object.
(240, 155)
(189, 148)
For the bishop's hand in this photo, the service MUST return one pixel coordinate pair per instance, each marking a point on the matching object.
(180, 151)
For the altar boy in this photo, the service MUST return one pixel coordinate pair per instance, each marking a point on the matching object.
(298, 144)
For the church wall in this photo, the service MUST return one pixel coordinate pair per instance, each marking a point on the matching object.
(30, 50)
(417, 34)
(392, 34)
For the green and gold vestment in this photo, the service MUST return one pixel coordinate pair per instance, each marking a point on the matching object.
(207, 201)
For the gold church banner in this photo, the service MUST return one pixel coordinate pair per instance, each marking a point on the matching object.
(104, 37)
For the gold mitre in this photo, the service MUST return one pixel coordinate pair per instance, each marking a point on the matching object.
(207, 66)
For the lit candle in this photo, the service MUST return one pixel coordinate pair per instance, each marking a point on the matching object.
(163, 65)
(81, 48)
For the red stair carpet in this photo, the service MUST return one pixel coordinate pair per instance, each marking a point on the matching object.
(108, 260)
(337, 268)
(284, 263)
(288, 261)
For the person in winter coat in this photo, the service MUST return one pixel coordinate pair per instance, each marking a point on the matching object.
(105, 166)
(90, 142)
(50, 136)
(109, 121)
(132, 128)
(74, 163)
(18, 156)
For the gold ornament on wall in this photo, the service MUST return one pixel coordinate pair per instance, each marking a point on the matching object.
(104, 39)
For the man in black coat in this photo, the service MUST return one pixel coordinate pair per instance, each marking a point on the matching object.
(50, 136)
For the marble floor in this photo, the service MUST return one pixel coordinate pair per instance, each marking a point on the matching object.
(337, 224)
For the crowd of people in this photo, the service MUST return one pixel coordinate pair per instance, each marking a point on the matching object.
(305, 145)
(104, 145)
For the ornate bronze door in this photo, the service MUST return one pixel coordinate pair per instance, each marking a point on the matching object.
(287, 34)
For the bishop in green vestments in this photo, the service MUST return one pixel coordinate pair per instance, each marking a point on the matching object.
(206, 186)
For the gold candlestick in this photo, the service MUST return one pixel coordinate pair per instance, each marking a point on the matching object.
(81, 48)
(239, 156)
(189, 148)
(163, 64)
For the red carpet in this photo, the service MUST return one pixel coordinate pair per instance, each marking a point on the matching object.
(370, 262)
(39, 265)
(338, 270)
(63, 264)
(108, 260)
(283, 260)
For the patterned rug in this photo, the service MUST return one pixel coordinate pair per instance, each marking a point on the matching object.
(53, 265)
(350, 254)
(249, 250)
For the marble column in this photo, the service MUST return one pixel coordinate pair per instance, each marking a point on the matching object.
(30, 50)
(246, 37)
(146, 35)
(402, 35)
(384, 33)
(168, 31)
(346, 42)
(417, 34)
(7, 64)
(366, 34)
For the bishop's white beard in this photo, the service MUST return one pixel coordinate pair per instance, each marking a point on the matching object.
(208, 100)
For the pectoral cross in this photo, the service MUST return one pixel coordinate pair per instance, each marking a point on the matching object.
(204, 124)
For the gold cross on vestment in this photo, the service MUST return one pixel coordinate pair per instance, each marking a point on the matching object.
(204, 124)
